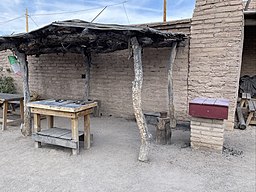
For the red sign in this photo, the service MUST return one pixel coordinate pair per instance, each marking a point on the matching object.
(209, 108)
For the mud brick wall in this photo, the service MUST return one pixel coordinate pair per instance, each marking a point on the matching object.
(57, 76)
(216, 51)
(207, 134)
(6, 71)
(252, 5)
(249, 56)
(112, 76)
(60, 76)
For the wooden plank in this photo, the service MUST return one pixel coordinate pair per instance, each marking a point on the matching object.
(55, 141)
(248, 96)
(68, 135)
(75, 136)
(249, 118)
(87, 132)
(10, 97)
(54, 132)
(66, 107)
(242, 124)
(37, 128)
(5, 109)
(251, 106)
(10, 121)
(83, 113)
(53, 113)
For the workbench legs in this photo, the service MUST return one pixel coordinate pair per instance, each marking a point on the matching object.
(50, 121)
(87, 132)
(37, 128)
(75, 136)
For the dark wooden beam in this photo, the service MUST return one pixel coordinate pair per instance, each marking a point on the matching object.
(136, 97)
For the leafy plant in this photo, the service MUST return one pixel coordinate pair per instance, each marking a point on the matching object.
(7, 85)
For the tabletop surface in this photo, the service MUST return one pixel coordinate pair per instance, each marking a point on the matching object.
(63, 105)
(210, 101)
(10, 97)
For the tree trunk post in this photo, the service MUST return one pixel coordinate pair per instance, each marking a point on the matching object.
(87, 63)
(170, 85)
(136, 97)
(26, 127)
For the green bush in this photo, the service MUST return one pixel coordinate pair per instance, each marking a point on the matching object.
(7, 85)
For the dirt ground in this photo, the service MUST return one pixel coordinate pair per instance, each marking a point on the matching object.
(111, 164)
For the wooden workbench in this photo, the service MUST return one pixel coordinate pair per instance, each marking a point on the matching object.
(60, 136)
(6, 99)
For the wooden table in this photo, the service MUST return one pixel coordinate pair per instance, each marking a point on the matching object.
(59, 136)
(5, 99)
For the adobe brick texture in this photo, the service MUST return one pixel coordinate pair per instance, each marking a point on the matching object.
(216, 51)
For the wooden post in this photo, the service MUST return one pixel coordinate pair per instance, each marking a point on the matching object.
(87, 62)
(50, 121)
(170, 85)
(136, 97)
(87, 132)
(37, 128)
(75, 136)
(26, 128)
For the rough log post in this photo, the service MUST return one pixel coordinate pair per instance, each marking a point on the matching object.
(26, 128)
(136, 97)
(170, 85)
(87, 62)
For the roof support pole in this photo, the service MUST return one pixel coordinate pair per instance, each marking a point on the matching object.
(87, 63)
(136, 98)
(170, 85)
(26, 128)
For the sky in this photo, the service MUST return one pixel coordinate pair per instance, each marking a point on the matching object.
(43, 12)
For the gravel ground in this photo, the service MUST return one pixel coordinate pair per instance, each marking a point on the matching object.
(111, 164)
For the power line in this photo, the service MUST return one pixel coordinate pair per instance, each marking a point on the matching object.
(126, 14)
(33, 20)
(4, 22)
(77, 11)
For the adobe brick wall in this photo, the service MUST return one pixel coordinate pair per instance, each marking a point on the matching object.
(249, 56)
(5, 70)
(112, 76)
(59, 76)
(252, 5)
(216, 51)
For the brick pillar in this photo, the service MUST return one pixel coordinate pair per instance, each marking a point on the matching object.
(207, 134)
(207, 123)
(216, 51)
